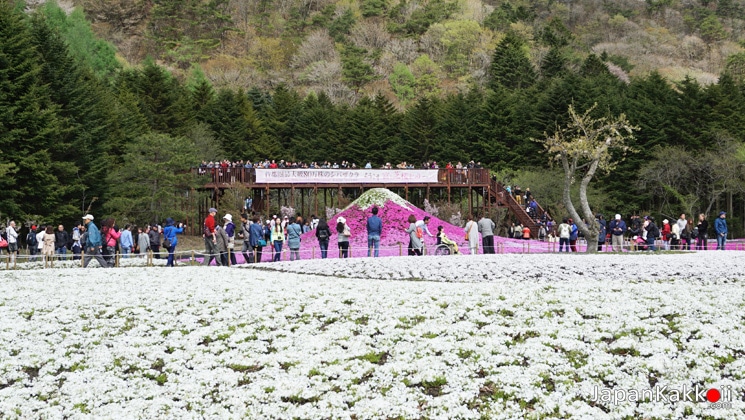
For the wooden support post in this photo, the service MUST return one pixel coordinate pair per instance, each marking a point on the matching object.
(400, 249)
(470, 201)
(315, 196)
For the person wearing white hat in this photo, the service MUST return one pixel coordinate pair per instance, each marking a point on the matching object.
(230, 231)
(93, 243)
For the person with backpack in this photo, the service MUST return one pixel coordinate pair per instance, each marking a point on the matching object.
(170, 240)
(415, 240)
(374, 230)
(652, 232)
(230, 231)
(323, 234)
(32, 243)
(565, 232)
(542, 233)
(93, 243)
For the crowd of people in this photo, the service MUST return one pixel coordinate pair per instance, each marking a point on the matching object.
(220, 239)
(86, 241)
(643, 233)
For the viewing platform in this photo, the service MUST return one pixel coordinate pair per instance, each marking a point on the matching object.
(472, 188)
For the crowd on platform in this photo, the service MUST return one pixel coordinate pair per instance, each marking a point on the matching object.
(224, 166)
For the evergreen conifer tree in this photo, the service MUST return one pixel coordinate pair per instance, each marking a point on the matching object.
(29, 129)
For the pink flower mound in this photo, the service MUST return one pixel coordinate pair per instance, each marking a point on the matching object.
(394, 240)
(395, 223)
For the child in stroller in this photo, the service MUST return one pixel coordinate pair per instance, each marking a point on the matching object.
(444, 245)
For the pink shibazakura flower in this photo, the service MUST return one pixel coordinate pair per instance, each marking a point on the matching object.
(394, 211)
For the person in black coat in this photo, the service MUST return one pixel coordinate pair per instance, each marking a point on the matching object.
(154, 235)
(323, 234)
(61, 239)
(703, 232)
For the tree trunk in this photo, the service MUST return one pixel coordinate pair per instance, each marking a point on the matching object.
(591, 229)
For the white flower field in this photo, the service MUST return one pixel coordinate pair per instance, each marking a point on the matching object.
(497, 336)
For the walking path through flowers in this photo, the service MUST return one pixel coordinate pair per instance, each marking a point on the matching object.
(520, 336)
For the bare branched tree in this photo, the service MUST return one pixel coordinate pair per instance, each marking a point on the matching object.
(583, 147)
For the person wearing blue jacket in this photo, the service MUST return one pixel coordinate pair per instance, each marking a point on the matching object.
(255, 236)
(93, 243)
(374, 230)
(720, 226)
(126, 242)
(573, 235)
(169, 234)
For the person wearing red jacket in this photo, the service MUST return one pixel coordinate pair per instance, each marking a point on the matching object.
(210, 240)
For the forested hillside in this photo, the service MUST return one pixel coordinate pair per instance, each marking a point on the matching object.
(407, 49)
(80, 129)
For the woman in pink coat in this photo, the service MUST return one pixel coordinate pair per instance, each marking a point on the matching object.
(109, 235)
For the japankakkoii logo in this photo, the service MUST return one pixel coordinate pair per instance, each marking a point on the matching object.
(717, 397)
